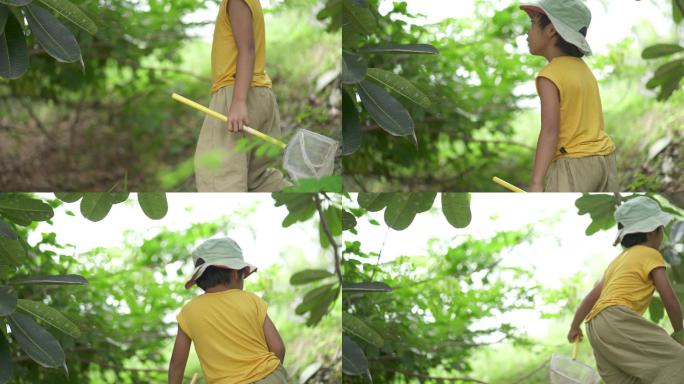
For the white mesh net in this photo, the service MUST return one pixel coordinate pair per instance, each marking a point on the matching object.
(565, 370)
(310, 155)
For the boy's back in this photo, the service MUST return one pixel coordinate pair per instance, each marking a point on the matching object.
(581, 117)
(227, 329)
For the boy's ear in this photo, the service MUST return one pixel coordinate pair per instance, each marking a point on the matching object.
(550, 30)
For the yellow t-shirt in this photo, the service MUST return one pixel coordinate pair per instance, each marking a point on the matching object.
(224, 50)
(627, 281)
(227, 328)
(581, 115)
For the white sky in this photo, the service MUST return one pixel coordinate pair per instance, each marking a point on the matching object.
(560, 249)
(262, 239)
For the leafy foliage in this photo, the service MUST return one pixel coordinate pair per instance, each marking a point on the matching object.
(668, 75)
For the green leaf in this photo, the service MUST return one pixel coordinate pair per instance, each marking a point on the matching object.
(374, 202)
(7, 232)
(72, 13)
(50, 316)
(333, 217)
(656, 310)
(348, 221)
(14, 59)
(360, 17)
(38, 343)
(23, 210)
(456, 209)
(154, 204)
(11, 252)
(51, 279)
(324, 184)
(4, 13)
(403, 208)
(354, 361)
(357, 327)
(69, 197)
(301, 206)
(5, 359)
(659, 50)
(354, 68)
(386, 110)
(312, 297)
(323, 306)
(351, 126)
(677, 11)
(398, 85)
(15, 3)
(370, 286)
(52, 35)
(309, 275)
(401, 48)
(8, 300)
(601, 209)
(95, 205)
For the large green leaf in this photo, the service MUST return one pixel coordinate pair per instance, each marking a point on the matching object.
(354, 361)
(351, 126)
(386, 110)
(659, 50)
(401, 48)
(324, 184)
(154, 204)
(333, 218)
(23, 210)
(369, 286)
(348, 221)
(52, 279)
(398, 85)
(601, 209)
(403, 208)
(357, 327)
(677, 10)
(456, 208)
(301, 206)
(52, 35)
(323, 306)
(664, 73)
(8, 300)
(38, 343)
(354, 68)
(361, 18)
(50, 316)
(313, 297)
(72, 13)
(7, 232)
(16, 3)
(69, 197)
(374, 202)
(95, 205)
(5, 360)
(11, 252)
(309, 275)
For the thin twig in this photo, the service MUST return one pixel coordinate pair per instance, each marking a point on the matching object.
(382, 247)
(329, 235)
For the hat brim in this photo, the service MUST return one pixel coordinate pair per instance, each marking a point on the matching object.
(645, 226)
(530, 7)
(199, 270)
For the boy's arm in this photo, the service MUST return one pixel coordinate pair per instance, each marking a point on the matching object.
(273, 340)
(583, 310)
(667, 295)
(548, 135)
(179, 357)
(241, 22)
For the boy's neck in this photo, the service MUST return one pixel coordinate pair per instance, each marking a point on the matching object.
(552, 52)
(223, 287)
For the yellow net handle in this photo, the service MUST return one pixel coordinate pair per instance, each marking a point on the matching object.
(506, 185)
(194, 379)
(223, 118)
(575, 348)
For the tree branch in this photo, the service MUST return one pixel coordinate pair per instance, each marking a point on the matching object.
(329, 235)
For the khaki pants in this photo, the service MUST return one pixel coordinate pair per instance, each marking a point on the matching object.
(279, 376)
(584, 174)
(218, 166)
(630, 349)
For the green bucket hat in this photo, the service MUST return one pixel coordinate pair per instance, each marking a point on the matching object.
(223, 253)
(567, 16)
(640, 215)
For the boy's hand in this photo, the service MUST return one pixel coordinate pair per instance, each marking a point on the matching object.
(237, 116)
(574, 334)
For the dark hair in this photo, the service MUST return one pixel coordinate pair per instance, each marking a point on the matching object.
(213, 276)
(632, 239)
(564, 46)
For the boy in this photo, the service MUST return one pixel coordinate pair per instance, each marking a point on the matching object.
(235, 340)
(574, 154)
(627, 347)
(240, 89)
